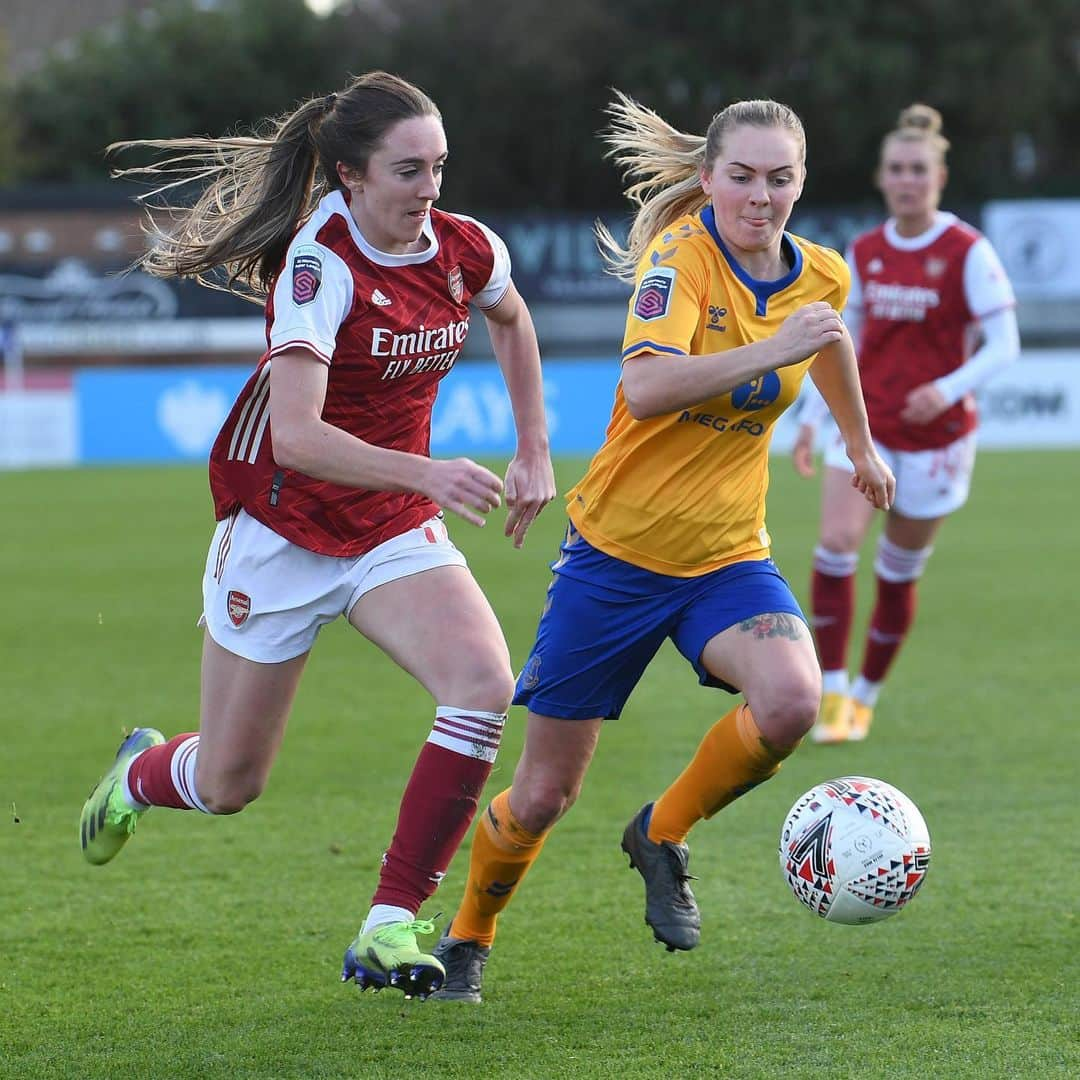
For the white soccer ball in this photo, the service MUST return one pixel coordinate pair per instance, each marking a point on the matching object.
(854, 849)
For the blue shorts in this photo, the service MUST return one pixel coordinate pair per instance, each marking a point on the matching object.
(605, 619)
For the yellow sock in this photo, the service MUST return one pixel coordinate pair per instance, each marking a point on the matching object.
(733, 758)
(502, 853)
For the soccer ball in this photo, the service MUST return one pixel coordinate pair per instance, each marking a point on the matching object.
(854, 850)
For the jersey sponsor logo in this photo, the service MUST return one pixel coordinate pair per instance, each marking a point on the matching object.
(306, 275)
(722, 423)
(380, 298)
(387, 342)
(654, 294)
(757, 393)
(419, 365)
(456, 284)
(908, 303)
(238, 605)
(427, 348)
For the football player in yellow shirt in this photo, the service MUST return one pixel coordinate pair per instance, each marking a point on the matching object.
(667, 535)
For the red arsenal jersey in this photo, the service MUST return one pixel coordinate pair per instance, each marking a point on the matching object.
(389, 327)
(917, 299)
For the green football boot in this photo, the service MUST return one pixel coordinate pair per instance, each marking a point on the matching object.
(107, 821)
(389, 956)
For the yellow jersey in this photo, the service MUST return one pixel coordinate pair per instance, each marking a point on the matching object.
(684, 493)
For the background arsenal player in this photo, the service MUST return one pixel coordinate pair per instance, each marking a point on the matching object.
(327, 500)
(931, 311)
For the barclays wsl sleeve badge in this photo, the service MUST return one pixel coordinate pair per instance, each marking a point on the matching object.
(306, 275)
(654, 294)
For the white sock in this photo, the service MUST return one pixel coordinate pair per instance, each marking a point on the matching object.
(182, 770)
(183, 773)
(125, 790)
(897, 564)
(834, 682)
(381, 914)
(469, 732)
(835, 563)
(866, 692)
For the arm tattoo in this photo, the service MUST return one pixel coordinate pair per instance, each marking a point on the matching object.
(771, 626)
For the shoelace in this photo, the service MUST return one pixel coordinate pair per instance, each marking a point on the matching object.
(681, 877)
(119, 814)
(396, 934)
(123, 819)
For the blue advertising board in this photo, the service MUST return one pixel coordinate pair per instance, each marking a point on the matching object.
(173, 413)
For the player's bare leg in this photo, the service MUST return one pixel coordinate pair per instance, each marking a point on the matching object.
(244, 709)
(219, 769)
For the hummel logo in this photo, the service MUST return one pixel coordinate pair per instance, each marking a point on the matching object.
(380, 298)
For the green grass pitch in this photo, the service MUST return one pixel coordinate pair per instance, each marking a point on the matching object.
(212, 947)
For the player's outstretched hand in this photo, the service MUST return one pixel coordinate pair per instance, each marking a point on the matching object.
(530, 486)
(874, 479)
(807, 331)
(464, 488)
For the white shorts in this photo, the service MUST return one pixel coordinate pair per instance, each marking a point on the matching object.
(266, 599)
(929, 483)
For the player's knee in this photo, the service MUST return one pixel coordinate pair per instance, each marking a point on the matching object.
(840, 539)
(487, 686)
(788, 711)
(499, 687)
(539, 802)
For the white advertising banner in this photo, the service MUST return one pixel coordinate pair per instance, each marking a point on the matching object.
(1033, 403)
(144, 337)
(1039, 243)
(38, 428)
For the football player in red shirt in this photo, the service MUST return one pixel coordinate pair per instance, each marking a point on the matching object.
(327, 499)
(932, 313)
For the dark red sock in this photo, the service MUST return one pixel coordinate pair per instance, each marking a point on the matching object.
(894, 612)
(832, 601)
(152, 780)
(436, 810)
